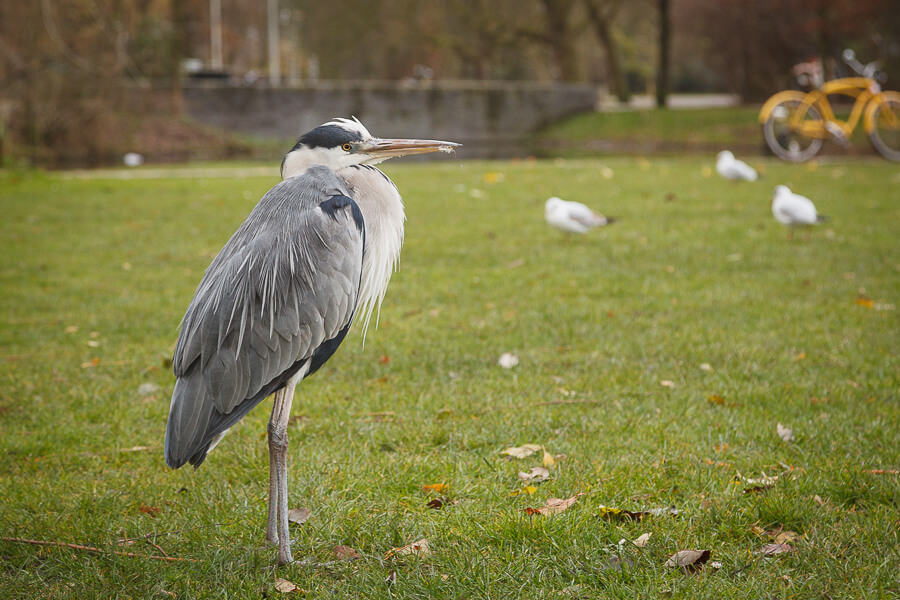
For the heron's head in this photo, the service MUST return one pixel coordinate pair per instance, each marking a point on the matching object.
(343, 143)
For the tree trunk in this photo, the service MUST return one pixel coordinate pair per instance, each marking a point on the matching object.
(662, 72)
(561, 39)
(611, 53)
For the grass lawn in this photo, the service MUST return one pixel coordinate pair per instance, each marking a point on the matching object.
(658, 355)
(673, 131)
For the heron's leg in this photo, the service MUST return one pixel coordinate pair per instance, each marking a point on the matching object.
(272, 522)
(278, 446)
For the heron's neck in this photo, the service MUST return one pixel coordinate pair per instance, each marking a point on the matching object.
(382, 210)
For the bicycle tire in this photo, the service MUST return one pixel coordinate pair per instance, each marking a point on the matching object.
(884, 126)
(786, 142)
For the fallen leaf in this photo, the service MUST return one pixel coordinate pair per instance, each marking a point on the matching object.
(773, 549)
(786, 537)
(90, 364)
(610, 513)
(299, 515)
(716, 399)
(384, 359)
(508, 360)
(785, 433)
(522, 451)
(799, 357)
(436, 503)
(642, 540)
(666, 383)
(665, 510)
(535, 474)
(553, 505)
(345, 553)
(72, 329)
(528, 489)
(391, 578)
(705, 367)
(865, 302)
(690, 560)
(548, 461)
(882, 472)
(148, 389)
(419, 548)
(758, 489)
(435, 488)
(283, 586)
(149, 510)
(818, 500)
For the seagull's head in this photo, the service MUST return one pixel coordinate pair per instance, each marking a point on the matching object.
(724, 155)
(552, 205)
(342, 143)
(781, 190)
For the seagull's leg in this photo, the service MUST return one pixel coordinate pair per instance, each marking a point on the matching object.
(790, 234)
(278, 446)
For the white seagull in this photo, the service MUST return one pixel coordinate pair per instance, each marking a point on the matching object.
(572, 217)
(794, 210)
(731, 168)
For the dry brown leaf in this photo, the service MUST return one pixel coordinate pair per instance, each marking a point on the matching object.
(535, 474)
(522, 451)
(345, 553)
(757, 489)
(773, 549)
(642, 540)
(435, 488)
(391, 578)
(690, 560)
(283, 586)
(299, 515)
(419, 548)
(785, 433)
(716, 399)
(818, 500)
(610, 513)
(149, 510)
(553, 505)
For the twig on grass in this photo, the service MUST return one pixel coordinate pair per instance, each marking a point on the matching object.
(95, 550)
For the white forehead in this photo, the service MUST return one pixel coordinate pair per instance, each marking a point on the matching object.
(353, 124)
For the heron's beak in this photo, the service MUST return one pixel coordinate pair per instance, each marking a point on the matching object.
(383, 149)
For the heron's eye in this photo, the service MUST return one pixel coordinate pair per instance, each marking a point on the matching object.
(347, 147)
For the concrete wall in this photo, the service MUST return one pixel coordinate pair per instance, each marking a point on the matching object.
(490, 118)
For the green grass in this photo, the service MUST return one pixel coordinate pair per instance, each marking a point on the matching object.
(695, 273)
(655, 130)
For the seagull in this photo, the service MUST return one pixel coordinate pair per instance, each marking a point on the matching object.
(794, 210)
(573, 217)
(731, 168)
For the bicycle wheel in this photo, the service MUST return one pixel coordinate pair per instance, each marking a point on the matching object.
(885, 126)
(786, 130)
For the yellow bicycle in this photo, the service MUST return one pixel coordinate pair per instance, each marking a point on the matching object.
(796, 124)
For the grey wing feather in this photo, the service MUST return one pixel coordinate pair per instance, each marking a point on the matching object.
(284, 284)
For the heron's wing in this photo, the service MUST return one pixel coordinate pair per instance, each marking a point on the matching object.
(283, 289)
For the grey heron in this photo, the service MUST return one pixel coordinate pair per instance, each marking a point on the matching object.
(572, 217)
(316, 252)
(793, 210)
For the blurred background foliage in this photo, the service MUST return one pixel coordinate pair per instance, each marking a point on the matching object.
(79, 71)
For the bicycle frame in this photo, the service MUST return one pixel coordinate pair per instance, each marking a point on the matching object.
(863, 89)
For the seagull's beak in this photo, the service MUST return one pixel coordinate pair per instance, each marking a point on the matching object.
(383, 149)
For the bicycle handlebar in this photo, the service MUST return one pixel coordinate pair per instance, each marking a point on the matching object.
(868, 70)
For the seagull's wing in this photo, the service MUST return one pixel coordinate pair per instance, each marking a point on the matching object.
(744, 171)
(278, 298)
(584, 215)
(796, 210)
